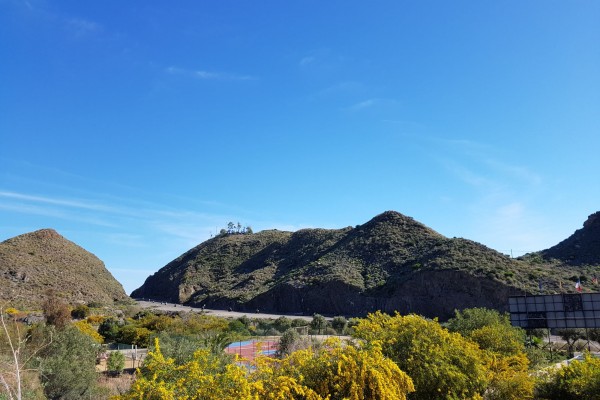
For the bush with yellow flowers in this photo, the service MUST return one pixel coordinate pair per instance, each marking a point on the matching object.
(335, 371)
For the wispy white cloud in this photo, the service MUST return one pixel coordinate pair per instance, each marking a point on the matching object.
(362, 105)
(314, 58)
(189, 233)
(517, 171)
(413, 125)
(80, 26)
(372, 103)
(125, 227)
(458, 153)
(115, 206)
(51, 212)
(503, 196)
(463, 145)
(176, 71)
(304, 61)
(56, 201)
(132, 219)
(343, 88)
(208, 75)
(512, 227)
(321, 60)
(58, 206)
(75, 26)
(464, 173)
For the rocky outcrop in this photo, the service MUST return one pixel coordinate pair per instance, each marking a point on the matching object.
(433, 294)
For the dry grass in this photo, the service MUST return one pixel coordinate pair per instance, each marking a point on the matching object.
(115, 385)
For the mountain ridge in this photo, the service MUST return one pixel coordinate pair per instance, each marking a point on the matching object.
(391, 263)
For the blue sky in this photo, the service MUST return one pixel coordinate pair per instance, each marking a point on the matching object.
(136, 129)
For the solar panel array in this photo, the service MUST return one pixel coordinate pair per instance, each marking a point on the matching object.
(578, 310)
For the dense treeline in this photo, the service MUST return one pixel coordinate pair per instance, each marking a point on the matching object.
(475, 355)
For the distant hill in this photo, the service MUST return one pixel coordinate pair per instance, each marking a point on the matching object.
(390, 263)
(35, 263)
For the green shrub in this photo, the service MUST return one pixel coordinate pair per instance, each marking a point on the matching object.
(115, 362)
(68, 366)
(109, 329)
(238, 327)
(131, 334)
(299, 322)
(339, 324)
(318, 323)
(330, 331)
(282, 324)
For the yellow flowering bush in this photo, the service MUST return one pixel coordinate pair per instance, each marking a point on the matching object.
(11, 311)
(335, 371)
(509, 377)
(442, 365)
(503, 352)
(205, 377)
(89, 330)
(578, 380)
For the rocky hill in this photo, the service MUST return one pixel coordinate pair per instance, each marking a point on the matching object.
(582, 247)
(35, 263)
(390, 263)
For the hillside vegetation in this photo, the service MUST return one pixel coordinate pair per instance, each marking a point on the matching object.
(390, 263)
(33, 264)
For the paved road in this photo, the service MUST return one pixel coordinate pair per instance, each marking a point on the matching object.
(218, 313)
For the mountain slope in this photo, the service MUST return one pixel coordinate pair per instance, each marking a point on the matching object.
(391, 263)
(36, 262)
(582, 247)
